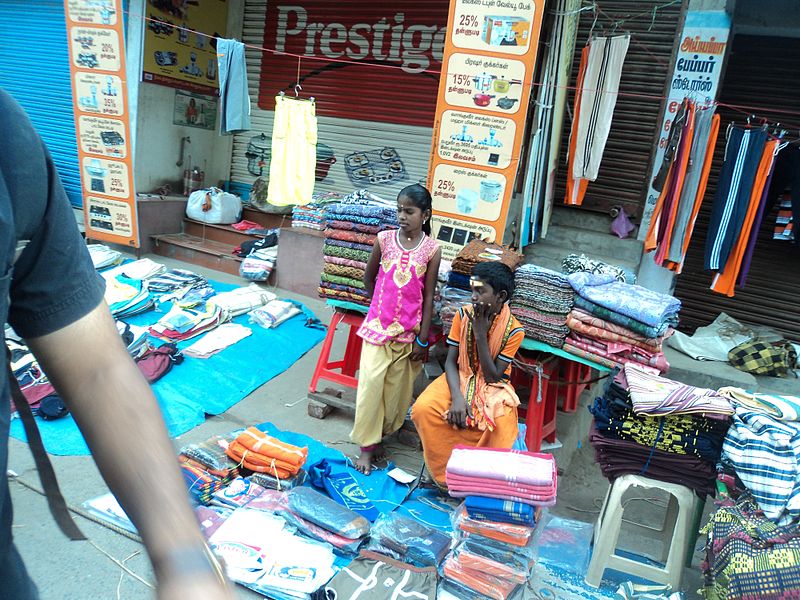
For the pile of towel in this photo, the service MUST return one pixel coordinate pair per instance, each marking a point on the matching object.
(542, 300)
(263, 453)
(616, 323)
(495, 527)
(103, 257)
(352, 228)
(676, 446)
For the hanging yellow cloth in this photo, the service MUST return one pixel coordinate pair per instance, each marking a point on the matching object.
(294, 152)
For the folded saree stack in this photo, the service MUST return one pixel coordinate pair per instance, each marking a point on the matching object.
(542, 300)
(648, 425)
(616, 323)
(352, 228)
(495, 527)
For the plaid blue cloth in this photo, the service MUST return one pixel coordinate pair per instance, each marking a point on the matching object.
(503, 511)
(765, 453)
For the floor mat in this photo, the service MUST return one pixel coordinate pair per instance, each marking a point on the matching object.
(198, 387)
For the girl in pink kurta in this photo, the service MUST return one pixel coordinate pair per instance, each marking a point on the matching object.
(401, 278)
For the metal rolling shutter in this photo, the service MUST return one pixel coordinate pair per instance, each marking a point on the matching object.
(34, 69)
(627, 156)
(761, 72)
(379, 110)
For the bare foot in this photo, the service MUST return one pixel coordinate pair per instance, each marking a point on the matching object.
(379, 452)
(364, 462)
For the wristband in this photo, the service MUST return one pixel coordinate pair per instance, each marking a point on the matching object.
(425, 345)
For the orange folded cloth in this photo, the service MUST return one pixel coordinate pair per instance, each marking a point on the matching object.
(487, 585)
(263, 453)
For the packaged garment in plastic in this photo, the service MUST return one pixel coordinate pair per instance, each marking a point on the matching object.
(487, 585)
(374, 577)
(409, 540)
(516, 535)
(211, 454)
(462, 592)
(238, 493)
(520, 560)
(510, 571)
(328, 514)
(212, 205)
(271, 482)
(274, 313)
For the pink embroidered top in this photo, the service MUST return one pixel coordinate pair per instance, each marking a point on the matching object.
(395, 312)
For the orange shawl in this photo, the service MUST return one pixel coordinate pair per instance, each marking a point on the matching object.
(486, 401)
(262, 453)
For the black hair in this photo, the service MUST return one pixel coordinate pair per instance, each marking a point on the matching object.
(421, 198)
(497, 275)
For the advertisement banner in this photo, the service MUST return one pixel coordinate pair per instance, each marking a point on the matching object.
(698, 67)
(100, 103)
(484, 90)
(174, 55)
(329, 46)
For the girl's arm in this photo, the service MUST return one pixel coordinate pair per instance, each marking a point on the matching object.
(431, 276)
(371, 272)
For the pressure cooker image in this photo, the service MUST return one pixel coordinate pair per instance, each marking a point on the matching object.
(507, 103)
(490, 190)
(482, 99)
(501, 86)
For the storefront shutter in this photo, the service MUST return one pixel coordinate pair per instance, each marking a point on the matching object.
(634, 129)
(34, 69)
(360, 108)
(761, 72)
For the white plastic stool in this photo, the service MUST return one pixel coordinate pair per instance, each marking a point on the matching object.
(676, 535)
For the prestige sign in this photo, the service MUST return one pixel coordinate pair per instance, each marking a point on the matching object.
(407, 35)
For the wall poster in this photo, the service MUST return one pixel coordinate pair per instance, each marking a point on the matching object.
(194, 110)
(176, 56)
(484, 90)
(100, 102)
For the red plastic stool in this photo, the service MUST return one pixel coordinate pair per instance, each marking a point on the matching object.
(348, 365)
(540, 412)
(569, 394)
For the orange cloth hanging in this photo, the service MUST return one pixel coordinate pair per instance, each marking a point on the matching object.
(701, 192)
(263, 453)
(725, 281)
(688, 134)
(576, 188)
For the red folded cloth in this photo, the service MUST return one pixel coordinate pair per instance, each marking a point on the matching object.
(244, 225)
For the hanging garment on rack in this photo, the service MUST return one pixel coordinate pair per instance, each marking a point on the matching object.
(294, 152)
(599, 83)
(725, 280)
(787, 175)
(694, 185)
(234, 97)
(682, 134)
(742, 157)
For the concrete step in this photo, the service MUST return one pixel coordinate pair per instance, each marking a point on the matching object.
(224, 234)
(197, 251)
(595, 244)
(550, 256)
(266, 220)
(571, 216)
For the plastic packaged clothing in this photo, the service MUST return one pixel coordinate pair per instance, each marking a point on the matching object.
(409, 540)
(325, 512)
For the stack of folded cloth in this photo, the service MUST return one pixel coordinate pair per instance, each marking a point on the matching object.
(262, 453)
(495, 527)
(748, 555)
(617, 323)
(176, 282)
(141, 269)
(525, 477)
(478, 251)
(103, 256)
(648, 425)
(211, 455)
(127, 297)
(184, 323)
(201, 483)
(242, 300)
(542, 300)
(311, 216)
(352, 230)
